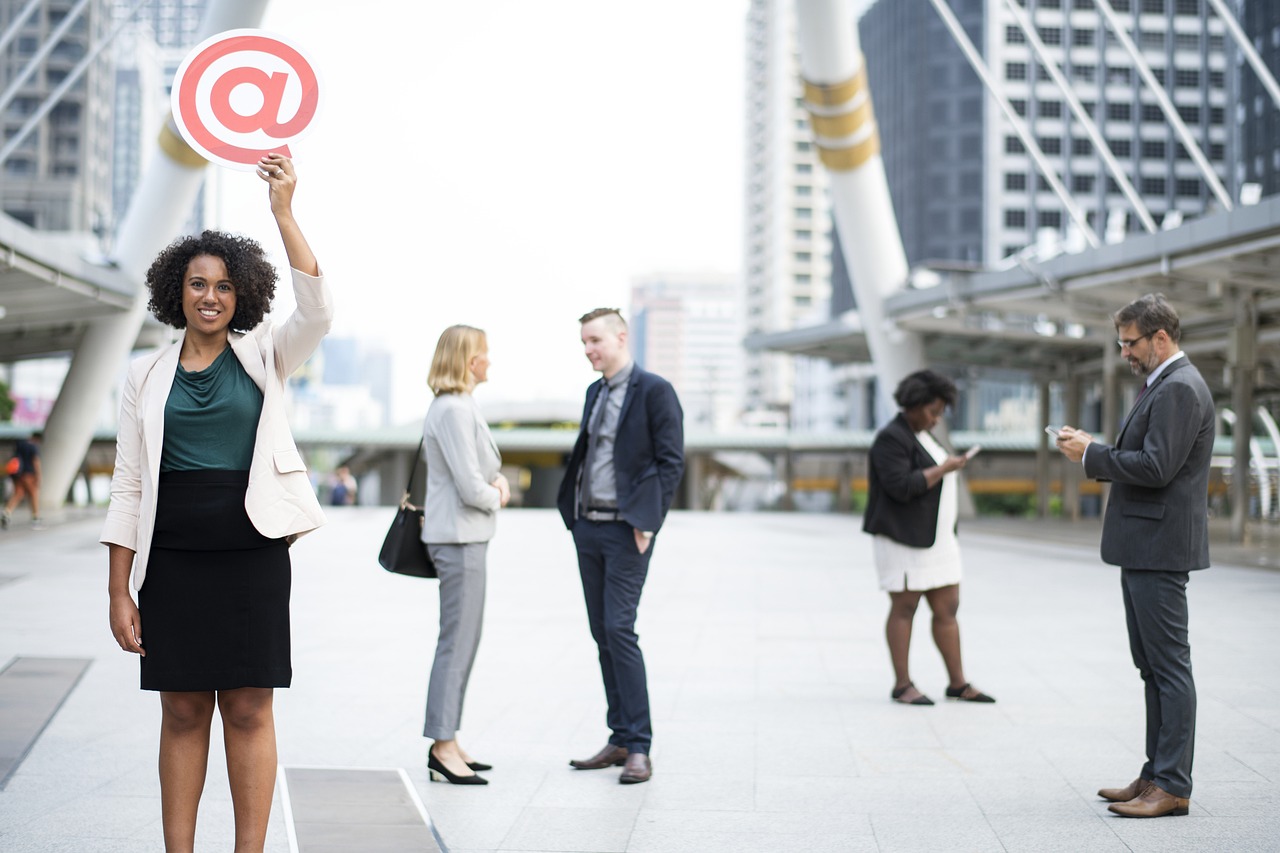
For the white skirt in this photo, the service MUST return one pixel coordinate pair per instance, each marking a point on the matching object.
(902, 567)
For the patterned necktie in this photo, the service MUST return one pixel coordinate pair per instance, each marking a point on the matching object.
(593, 429)
(597, 413)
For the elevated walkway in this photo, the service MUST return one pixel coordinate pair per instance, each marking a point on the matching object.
(769, 680)
(50, 292)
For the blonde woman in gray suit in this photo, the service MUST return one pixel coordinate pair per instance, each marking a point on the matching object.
(464, 493)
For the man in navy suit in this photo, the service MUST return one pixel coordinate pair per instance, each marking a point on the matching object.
(1156, 529)
(620, 481)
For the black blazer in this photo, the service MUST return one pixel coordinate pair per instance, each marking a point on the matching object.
(648, 452)
(1158, 512)
(900, 503)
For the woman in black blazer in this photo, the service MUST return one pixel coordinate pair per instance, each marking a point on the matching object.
(912, 509)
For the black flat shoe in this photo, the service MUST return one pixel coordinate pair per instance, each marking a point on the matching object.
(896, 696)
(479, 765)
(439, 773)
(957, 693)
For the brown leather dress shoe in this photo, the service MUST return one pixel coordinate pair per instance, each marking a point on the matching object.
(610, 756)
(638, 769)
(1129, 792)
(1153, 802)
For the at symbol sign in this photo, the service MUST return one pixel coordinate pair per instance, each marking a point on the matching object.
(243, 93)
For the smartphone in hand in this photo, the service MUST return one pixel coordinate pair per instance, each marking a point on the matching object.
(973, 451)
(1054, 432)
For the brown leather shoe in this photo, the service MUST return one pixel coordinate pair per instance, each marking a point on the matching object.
(1153, 802)
(638, 769)
(1129, 792)
(610, 756)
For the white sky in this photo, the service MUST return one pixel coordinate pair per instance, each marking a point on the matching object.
(509, 164)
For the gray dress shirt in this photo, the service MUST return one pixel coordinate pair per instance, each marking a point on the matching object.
(600, 486)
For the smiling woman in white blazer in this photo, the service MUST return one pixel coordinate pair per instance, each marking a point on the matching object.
(208, 492)
(464, 493)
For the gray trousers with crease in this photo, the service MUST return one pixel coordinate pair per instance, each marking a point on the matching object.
(462, 581)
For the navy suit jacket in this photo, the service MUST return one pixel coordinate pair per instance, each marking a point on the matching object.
(648, 452)
(1158, 513)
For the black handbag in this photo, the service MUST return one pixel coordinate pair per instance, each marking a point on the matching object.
(403, 551)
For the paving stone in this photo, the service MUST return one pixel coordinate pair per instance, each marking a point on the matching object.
(763, 636)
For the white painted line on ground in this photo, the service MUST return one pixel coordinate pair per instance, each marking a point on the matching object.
(286, 806)
(422, 808)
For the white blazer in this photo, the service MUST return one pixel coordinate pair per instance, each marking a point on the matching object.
(280, 500)
(462, 460)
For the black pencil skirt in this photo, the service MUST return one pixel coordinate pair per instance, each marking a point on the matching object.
(215, 602)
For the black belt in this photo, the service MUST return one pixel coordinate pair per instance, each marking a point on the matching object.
(601, 513)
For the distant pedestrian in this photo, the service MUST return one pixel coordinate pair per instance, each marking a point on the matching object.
(912, 512)
(1156, 530)
(343, 492)
(619, 484)
(465, 490)
(208, 492)
(26, 480)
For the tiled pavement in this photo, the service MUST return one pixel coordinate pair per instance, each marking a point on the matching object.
(769, 681)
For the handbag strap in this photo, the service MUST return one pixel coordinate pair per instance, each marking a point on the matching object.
(413, 472)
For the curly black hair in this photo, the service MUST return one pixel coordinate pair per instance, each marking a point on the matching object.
(252, 274)
(922, 388)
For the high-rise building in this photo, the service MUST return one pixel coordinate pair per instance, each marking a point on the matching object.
(173, 23)
(148, 52)
(787, 268)
(1257, 114)
(688, 329)
(58, 178)
(963, 185)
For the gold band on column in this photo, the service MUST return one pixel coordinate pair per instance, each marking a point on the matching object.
(834, 117)
(848, 159)
(844, 124)
(835, 94)
(177, 149)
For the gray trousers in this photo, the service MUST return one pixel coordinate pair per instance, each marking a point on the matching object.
(462, 580)
(1155, 606)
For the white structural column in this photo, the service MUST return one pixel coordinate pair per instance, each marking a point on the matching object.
(156, 212)
(839, 103)
(1242, 360)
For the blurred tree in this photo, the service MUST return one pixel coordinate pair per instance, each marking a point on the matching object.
(7, 405)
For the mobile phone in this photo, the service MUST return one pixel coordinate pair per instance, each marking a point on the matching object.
(1053, 431)
(973, 451)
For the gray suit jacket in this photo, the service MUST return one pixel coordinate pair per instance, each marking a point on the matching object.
(462, 461)
(1158, 513)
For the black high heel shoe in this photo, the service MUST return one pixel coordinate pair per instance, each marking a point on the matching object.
(439, 773)
(479, 765)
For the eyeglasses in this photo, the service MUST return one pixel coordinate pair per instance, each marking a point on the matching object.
(1129, 344)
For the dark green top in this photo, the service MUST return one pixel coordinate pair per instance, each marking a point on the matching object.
(211, 418)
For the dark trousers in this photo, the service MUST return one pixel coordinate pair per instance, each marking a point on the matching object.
(613, 574)
(1155, 607)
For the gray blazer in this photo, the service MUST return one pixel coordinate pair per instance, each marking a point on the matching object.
(1158, 513)
(462, 461)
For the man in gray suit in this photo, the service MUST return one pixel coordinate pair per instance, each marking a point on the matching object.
(1156, 530)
